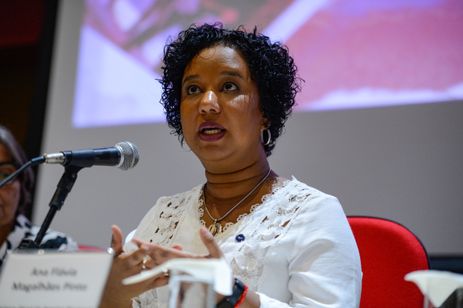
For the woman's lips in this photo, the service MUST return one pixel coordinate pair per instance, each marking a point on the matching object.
(210, 131)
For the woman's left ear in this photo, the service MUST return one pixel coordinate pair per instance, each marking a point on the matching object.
(265, 123)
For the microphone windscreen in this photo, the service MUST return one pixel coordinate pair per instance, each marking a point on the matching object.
(129, 155)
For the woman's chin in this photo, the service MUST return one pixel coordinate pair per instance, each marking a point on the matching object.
(211, 152)
(217, 158)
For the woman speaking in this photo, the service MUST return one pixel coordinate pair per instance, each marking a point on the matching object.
(227, 95)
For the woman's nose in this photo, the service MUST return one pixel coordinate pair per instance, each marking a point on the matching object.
(209, 103)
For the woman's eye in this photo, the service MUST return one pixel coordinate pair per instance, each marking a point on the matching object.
(192, 90)
(4, 175)
(230, 86)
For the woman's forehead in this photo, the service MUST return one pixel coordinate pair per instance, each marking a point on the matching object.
(220, 57)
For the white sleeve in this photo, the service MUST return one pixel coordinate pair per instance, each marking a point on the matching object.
(324, 264)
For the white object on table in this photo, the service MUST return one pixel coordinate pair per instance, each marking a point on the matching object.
(217, 271)
(436, 285)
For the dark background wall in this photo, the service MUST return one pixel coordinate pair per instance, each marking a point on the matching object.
(26, 38)
(25, 33)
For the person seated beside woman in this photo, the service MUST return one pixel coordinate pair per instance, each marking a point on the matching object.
(16, 198)
(227, 94)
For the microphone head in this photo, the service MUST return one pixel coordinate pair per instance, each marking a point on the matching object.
(129, 154)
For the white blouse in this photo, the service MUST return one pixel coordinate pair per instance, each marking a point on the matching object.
(298, 249)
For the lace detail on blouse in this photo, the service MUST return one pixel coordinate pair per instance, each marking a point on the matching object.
(278, 184)
(169, 218)
(263, 227)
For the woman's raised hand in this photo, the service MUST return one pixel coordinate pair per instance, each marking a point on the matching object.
(160, 254)
(146, 256)
(126, 264)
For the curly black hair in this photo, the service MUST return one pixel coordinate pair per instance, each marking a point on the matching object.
(270, 65)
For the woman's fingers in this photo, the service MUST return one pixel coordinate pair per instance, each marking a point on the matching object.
(159, 282)
(116, 240)
(160, 254)
(150, 255)
(126, 265)
(210, 243)
(177, 247)
(132, 263)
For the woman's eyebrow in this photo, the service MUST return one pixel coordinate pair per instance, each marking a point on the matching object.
(6, 163)
(225, 73)
(190, 77)
(232, 74)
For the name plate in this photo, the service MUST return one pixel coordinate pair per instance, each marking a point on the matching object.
(52, 279)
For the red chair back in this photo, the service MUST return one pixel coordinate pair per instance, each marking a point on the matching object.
(388, 251)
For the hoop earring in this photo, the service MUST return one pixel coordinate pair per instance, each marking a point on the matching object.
(263, 140)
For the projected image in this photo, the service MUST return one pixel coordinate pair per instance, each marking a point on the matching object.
(351, 54)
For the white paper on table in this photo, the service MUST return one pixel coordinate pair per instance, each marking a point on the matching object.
(436, 285)
(215, 271)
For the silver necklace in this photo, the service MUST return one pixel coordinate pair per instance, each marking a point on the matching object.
(216, 227)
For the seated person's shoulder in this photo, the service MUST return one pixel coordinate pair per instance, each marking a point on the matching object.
(52, 239)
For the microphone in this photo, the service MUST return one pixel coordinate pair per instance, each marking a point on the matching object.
(123, 155)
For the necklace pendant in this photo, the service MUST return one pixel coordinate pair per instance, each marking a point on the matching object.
(218, 227)
(215, 228)
(212, 228)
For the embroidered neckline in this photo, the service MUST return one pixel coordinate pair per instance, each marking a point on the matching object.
(216, 225)
(277, 185)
